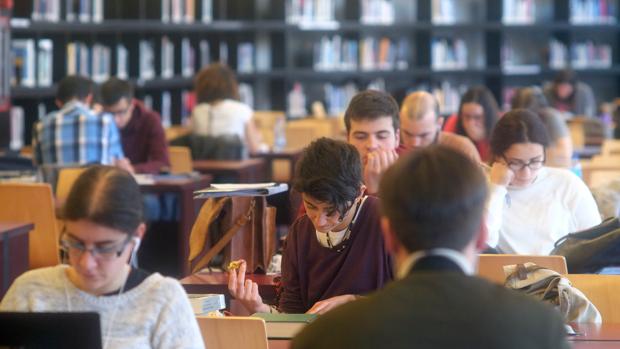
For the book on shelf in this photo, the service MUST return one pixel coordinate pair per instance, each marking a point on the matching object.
(203, 303)
(178, 11)
(101, 64)
(377, 12)
(188, 58)
(284, 326)
(205, 53)
(229, 189)
(206, 14)
(519, 11)
(246, 94)
(311, 11)
(167, 58)
(337, 97)
(17, 128)
(166, 109)
(448, 96)
(78, 59)
(46, 10)
(263, 52)
(23, 53)
(592, 11)
(558, 54)
(122, 62)
(147, 60)
(443, 12)
(45, 62)
(448, 53)
(589, 54)
(245, 57)
(223, 52)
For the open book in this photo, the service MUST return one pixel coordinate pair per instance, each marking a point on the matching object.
(253, 189)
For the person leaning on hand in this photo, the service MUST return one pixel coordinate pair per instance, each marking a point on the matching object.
(335, 251)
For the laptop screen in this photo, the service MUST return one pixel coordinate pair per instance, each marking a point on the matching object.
(50, 330)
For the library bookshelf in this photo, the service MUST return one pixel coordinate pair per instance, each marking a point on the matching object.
(331, 48)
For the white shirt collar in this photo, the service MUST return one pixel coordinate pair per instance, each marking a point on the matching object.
(454, 256)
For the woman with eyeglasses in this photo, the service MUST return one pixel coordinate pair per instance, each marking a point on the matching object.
(333, 253)
(478, 112)
(531, 205)
(103, 227)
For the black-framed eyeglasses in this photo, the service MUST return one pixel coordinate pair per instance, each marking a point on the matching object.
(519, 165)
(75, 248)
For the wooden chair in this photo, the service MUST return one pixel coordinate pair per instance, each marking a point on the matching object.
(66, 178)
(233, 332)
(611, 147)
(173, 132)
(180, 159)
(491, 266)
(33, 203)
(602, 291)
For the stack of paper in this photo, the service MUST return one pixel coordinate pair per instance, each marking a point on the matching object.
(205, 303)
(254, 189)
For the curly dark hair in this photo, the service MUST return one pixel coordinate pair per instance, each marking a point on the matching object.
(330, 171)
(216, 82)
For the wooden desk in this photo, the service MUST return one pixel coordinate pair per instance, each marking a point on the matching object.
(242, 171)
(279, 343)
(290, 155)
(217, 282)
(184, 188)
(596, 336)
(13, 251)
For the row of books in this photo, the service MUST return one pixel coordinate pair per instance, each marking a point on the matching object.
(377, 12)
(448, 54)
(32, 62)
(184, 11)
(72, 10)
(592, 11)
(337, 97)
(590, 54)
(310, 11)
(93, 61)
(448, 96)
(519, 11)
(455, 11)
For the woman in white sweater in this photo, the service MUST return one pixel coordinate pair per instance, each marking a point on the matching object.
(531, 206)
(219, 111)
(103, 216)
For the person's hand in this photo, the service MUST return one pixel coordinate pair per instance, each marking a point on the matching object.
(376, 163)
(501, 174)
(245, 291)
(124, 164)
(321, 307)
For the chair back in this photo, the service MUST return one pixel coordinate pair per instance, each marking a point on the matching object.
(66, 178)
(33, 203)
(602, 291)
(491, 266)
(611, 147)
(233, 332)
(180, 159)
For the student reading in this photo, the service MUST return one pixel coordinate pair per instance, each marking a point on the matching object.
(335, 251)
(103, 216)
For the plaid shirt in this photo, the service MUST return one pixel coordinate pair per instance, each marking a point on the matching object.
(76, 135)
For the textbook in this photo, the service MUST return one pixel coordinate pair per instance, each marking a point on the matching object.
(254, 189)
(206, 303)
(284, 326)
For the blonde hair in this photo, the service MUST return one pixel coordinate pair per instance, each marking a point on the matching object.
(417, 104)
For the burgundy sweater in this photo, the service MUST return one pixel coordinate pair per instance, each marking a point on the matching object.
(144, 140)
(311, 272)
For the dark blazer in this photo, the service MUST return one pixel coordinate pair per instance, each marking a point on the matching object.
(438, 306)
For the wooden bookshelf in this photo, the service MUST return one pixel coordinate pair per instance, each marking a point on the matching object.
(291, 46)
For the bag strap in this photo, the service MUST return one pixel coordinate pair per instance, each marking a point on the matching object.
(225, 239)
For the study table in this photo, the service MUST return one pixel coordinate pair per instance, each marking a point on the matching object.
(184, 188)
(291, 155)
(240, 171)
(13, 251)
(596, 336)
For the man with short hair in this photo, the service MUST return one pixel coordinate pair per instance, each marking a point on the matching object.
(142, 135)
(430, 221)
(421, 126)
(75, 134)
(372, 124)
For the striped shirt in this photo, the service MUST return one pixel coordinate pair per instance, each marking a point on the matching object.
(76, 135)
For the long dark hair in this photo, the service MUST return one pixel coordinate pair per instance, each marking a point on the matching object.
(479, 95)
(107, 196)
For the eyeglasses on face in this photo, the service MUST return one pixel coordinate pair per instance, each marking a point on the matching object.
(75, 248)
(517, 165)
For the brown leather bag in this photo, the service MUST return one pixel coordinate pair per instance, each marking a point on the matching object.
(241, 227)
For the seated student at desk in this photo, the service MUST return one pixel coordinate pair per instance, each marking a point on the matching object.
(430, 220)
(103, 215)
(531, 206)
(333, 253)
(142, 135)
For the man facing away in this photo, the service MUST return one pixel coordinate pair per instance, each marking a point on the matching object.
(430, 222)
(142, 135)
(372, 124)
(75, 134)
(421, 124)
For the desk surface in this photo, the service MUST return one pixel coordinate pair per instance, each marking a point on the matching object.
(10, 228)
(226, 165)
(217, 282)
